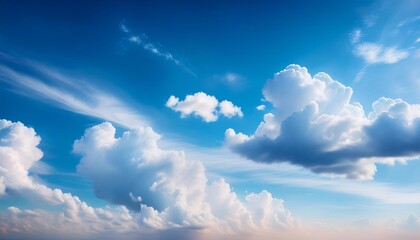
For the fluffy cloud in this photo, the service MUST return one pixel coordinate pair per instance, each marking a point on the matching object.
(229, 110)
(205, 106)
(18, 153)
(376, 53)
(316, 126)
(260, 107)
(168, 190)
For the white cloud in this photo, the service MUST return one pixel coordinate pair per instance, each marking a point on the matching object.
(162, 189)
(229, 110)
(261, 107)
(174, 191)
(18, 153)
(375, 53)
(315, 114)
(71, 94)
(152, 48)
(205, 106)
(135, 39)
(408, 21)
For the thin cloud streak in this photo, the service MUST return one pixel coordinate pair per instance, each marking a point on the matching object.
(72, 95)
(152, 48)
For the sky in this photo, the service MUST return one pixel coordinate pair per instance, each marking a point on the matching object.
(209, 119)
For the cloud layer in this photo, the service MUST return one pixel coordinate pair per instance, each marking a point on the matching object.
(316, 126)
(204, 106)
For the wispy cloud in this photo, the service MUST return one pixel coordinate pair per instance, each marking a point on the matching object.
(141, 40)
(355, 36)
(376, 53)
(70, 94)
(407, 21)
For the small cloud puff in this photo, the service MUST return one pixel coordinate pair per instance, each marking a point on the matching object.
(204, 106)
(261, 107)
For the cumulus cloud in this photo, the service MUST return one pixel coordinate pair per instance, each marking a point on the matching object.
(152, 188)
(316, 126)
(376, 53)
(229, 110)
(18, 154)
(260, 107)
(170, 191)
(204, 106)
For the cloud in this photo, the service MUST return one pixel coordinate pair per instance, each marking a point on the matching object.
(260, 107)
(197, 208)
(407, 21)
(205, 106)
(375, 53)
(141, 40)
(153, 189)
(355, 36)
(170, 191)
(18, 154)
(316, 126)
(229, 110)
(70, 93)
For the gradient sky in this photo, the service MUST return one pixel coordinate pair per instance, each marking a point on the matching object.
(225, 119)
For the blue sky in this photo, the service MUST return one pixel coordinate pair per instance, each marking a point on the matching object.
(192, 118)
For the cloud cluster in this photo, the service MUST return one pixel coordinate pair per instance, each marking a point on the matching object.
(152, 188)
(18, 154)
(316, 126)
(168, 190)
(205, 106)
